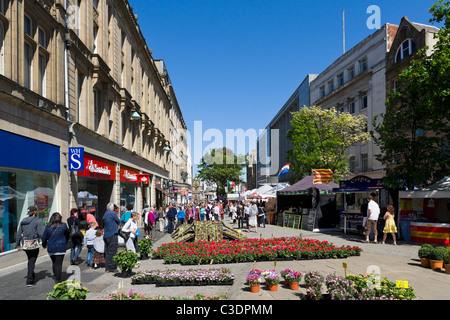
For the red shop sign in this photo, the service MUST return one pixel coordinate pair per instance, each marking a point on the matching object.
(96, 167)
(129, 175)
(144, 178)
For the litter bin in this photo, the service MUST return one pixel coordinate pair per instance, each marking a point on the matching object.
(405, 228)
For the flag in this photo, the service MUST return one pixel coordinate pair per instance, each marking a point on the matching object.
(231, 184)
(284, 170)
(322, 176)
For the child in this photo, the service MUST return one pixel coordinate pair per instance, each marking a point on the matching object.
(390, 224)
(89, 238)
(181, 216)
(99, 249)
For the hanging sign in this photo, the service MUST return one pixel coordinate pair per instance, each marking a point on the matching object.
(76, 159)
(144, 178)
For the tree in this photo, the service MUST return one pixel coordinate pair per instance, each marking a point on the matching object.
(414, 134)
(320, 138)
(220, 165)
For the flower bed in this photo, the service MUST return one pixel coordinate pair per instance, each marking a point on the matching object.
(191, 277)
(133, 295)
(355, 287)
(249, 250)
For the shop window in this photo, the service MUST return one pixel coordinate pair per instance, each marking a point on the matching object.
(20, 189)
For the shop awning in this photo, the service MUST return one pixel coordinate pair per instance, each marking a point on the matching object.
(440, 189)
(305, 184)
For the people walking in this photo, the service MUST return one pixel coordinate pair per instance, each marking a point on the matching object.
(252, 217)
(171, 215)
(151, 221)
(202, 212)
(55, 238)
(131, 227)
(246, 213)
(240, 216)
(373, 212)
(76, 237)
(161, 219)
(389, 226)
(181, 216)
(27, 239)
(261, 216)
(111, 223)
(145, 219)
(216, 212)
(127, 214)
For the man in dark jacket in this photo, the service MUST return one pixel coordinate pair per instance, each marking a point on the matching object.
(111, 222)
(171, 214)
(30, 228)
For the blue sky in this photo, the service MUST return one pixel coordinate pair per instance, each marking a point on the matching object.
(233, 64)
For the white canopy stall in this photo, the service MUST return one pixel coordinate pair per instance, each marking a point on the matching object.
(425, 214)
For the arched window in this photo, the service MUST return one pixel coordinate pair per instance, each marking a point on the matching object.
(407, 48)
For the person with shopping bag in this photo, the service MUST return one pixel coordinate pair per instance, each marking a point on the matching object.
(30, 231)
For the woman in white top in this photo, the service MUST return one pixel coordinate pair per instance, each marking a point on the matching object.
(131, 227)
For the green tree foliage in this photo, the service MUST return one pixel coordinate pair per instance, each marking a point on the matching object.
(414, 134)
(220, 165)
(320, 138)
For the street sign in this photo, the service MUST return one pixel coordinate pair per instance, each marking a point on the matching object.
(76, 159)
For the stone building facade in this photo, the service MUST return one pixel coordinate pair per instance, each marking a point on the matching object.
(79, 74)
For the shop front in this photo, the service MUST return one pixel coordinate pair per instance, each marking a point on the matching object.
(351, 202)
(29, 171)
(129, 184)
(425, 214)
(95, 186)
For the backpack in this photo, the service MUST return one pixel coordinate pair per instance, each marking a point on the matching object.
(75, 230)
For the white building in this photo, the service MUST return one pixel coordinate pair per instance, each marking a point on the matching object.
(356, 83)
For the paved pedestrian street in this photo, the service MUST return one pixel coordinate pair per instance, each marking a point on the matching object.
(394, 262)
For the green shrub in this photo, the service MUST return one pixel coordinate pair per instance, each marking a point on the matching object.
(438, 253)
(68, 290)
(126, 260)
(425, 251)
(145, 246)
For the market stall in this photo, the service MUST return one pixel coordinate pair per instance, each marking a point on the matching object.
(425, 214)
(306, 205)
(235, 197)
(351, 199)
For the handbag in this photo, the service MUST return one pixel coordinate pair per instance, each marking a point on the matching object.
(125, 235)
(30, 244)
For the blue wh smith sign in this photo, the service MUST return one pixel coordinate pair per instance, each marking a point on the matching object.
(76, 159)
